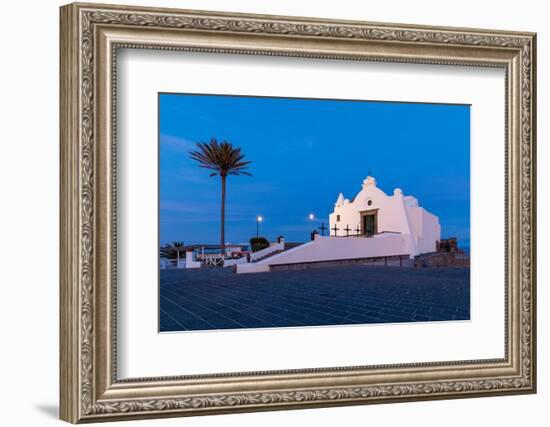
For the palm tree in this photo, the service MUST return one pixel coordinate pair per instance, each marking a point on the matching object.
(172, 251)
(224, 159)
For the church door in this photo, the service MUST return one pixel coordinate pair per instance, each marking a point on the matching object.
(369, 224)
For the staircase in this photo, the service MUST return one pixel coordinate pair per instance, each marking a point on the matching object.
(268, 255)
(287, 247)
(290, 245)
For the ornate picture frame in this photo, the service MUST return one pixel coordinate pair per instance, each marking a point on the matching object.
(90, 37)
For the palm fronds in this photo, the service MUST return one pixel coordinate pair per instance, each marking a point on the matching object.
(221, 157)
(172, 251)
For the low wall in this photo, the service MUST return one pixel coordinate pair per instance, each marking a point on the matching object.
(251, 267)
(340, 248)
(325, 249)
(388, 261)
(190, 261)
(442, 259)
(232, 262)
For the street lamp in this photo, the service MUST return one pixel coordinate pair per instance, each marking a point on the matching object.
(311, 217)
(258, 220)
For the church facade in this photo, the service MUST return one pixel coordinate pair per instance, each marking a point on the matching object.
(372, 213)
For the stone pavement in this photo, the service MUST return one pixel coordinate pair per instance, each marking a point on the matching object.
(217, 298)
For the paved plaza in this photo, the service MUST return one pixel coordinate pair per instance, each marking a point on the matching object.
(217, 298)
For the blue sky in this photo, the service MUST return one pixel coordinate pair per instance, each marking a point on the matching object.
(303, 153)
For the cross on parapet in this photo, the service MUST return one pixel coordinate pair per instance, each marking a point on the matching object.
(322, 228)
(357, 230)
(347, 230)
(335, 229)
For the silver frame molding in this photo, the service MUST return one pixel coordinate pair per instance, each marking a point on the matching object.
(90, 37)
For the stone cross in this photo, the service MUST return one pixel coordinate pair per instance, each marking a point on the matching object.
(335, 229)
(322, 228)
(357, 230)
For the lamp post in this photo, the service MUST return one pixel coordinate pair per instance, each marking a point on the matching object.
(311, 218)
(258, 220)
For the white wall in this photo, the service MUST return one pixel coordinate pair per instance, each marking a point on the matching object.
(334, 248)
(426, 228)
(29, 216)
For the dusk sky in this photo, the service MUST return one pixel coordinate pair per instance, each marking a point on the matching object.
(304, 153)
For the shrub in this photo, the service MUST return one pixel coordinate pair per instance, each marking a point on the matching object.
(258, 243)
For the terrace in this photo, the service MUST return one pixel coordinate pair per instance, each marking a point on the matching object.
(215, 298)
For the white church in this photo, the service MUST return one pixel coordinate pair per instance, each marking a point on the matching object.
(371, 225)
(372, 212)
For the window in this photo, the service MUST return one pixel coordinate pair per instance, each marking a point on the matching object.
(337, 218)
(369, 203)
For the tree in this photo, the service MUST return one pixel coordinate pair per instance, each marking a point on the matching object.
(224, 159)
(172, 251)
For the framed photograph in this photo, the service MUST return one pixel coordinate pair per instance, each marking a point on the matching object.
(266, 212)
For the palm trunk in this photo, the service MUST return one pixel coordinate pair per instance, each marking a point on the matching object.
(222, 234)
